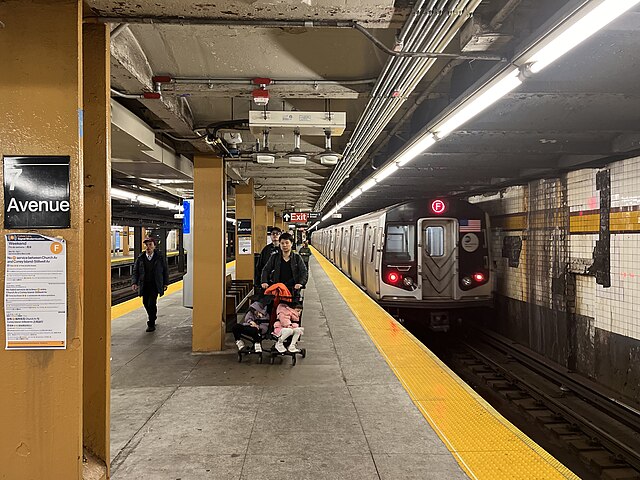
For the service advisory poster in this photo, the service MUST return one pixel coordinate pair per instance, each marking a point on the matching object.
(35, 292)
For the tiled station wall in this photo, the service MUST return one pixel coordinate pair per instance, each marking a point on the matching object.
(566, 255)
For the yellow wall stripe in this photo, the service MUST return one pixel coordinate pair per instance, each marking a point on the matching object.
(588, 223)
(135, 303)
(485, 444)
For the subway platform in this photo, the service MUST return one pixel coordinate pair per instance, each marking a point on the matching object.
(367, 402)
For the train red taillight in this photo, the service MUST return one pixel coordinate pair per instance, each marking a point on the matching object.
(479, 277)
(393, 277)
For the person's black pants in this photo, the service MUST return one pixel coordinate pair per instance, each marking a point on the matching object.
(150, 302)
(252, 332)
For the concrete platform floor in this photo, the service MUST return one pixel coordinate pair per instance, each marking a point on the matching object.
(340, 413)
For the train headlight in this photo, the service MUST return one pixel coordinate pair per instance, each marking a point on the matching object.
(478, 277)
(466, 281)
(408, 281)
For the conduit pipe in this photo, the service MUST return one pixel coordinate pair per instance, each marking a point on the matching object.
(249, 82)
(432, 29)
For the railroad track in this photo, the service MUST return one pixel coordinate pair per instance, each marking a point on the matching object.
(595, 426)
(121, 287)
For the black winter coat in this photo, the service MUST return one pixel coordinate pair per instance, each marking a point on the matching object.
(265, 254)
(271, 271)
(160, 272)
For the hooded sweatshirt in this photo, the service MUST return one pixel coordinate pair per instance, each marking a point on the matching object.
(258, 314)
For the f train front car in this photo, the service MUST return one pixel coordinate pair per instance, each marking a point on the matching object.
(430, 254)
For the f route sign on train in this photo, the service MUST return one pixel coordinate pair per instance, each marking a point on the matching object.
(300, 217)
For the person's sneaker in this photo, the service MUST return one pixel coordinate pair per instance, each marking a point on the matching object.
(257, 348)
(240, 344)
(151, 328)
(293, 349)
(280, 347)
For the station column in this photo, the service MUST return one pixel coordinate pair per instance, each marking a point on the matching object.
(245, 207)
(209, 190)
(97, 241)
(270, 217)
(260, 232)
(125, 241)
(41, 104)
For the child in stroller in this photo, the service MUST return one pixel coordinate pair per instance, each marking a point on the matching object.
(287, 326)
(253, 328)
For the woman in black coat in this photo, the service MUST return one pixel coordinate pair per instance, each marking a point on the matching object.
(285, 267)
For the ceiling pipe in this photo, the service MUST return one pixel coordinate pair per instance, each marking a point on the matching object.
(118, 30)
(242, 81)
(498, 19)
(157, 20)
(435, 28)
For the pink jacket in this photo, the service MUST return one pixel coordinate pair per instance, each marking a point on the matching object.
(287, 318)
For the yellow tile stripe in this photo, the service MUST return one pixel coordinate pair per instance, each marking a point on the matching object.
(485, 444)
(135, 303)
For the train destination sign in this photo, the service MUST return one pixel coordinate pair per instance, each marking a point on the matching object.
(35, 292)
(36, 192)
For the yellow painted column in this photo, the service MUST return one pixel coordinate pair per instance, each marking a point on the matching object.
(41, 105)
(209, 189)
(244, 211)
(270, 217)
(125, 241)
(260, 232)
(97, 240)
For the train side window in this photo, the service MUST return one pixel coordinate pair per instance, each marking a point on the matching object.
(373, 244)
(400, 243)
(434, 241)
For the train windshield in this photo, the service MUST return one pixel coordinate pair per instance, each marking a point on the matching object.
(400, 244)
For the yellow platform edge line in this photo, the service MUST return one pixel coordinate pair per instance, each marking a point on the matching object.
(468, 460)
(135, 303)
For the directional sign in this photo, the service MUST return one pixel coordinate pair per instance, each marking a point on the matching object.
(299, 217)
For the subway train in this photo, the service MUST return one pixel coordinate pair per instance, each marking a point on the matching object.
(426, 254)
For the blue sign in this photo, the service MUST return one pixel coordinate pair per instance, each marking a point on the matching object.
(186, 220)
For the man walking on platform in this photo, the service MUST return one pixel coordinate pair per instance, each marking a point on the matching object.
(150, 279)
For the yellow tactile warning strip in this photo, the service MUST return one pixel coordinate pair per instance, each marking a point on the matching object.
(135, 303)
(485, 444)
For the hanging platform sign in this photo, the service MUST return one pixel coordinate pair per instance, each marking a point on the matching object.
(35, 292)
(36, 192)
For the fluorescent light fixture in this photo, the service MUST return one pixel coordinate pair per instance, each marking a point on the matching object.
(367, 185)
(265, 157)
(385, 172)
(123, 194)
(297, 159)
(143, 199)
(567, 38)
(416, 149)
(356, 193)
(478, 102)
(231, 220)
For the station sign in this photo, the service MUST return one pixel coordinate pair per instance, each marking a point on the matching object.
(244, 226)
(36, 192)
(300, 217)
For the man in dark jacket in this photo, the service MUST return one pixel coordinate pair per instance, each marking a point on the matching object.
(266, 253)
(285, 267)
(150, 279)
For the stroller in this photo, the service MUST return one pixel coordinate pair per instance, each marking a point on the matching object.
(281, 294)
(272, 297)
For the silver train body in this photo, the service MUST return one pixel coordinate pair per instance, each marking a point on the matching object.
(432, 254)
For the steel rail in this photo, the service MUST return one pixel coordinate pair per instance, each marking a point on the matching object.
(631, 455)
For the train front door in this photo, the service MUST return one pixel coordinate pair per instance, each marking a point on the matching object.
(438, 260)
